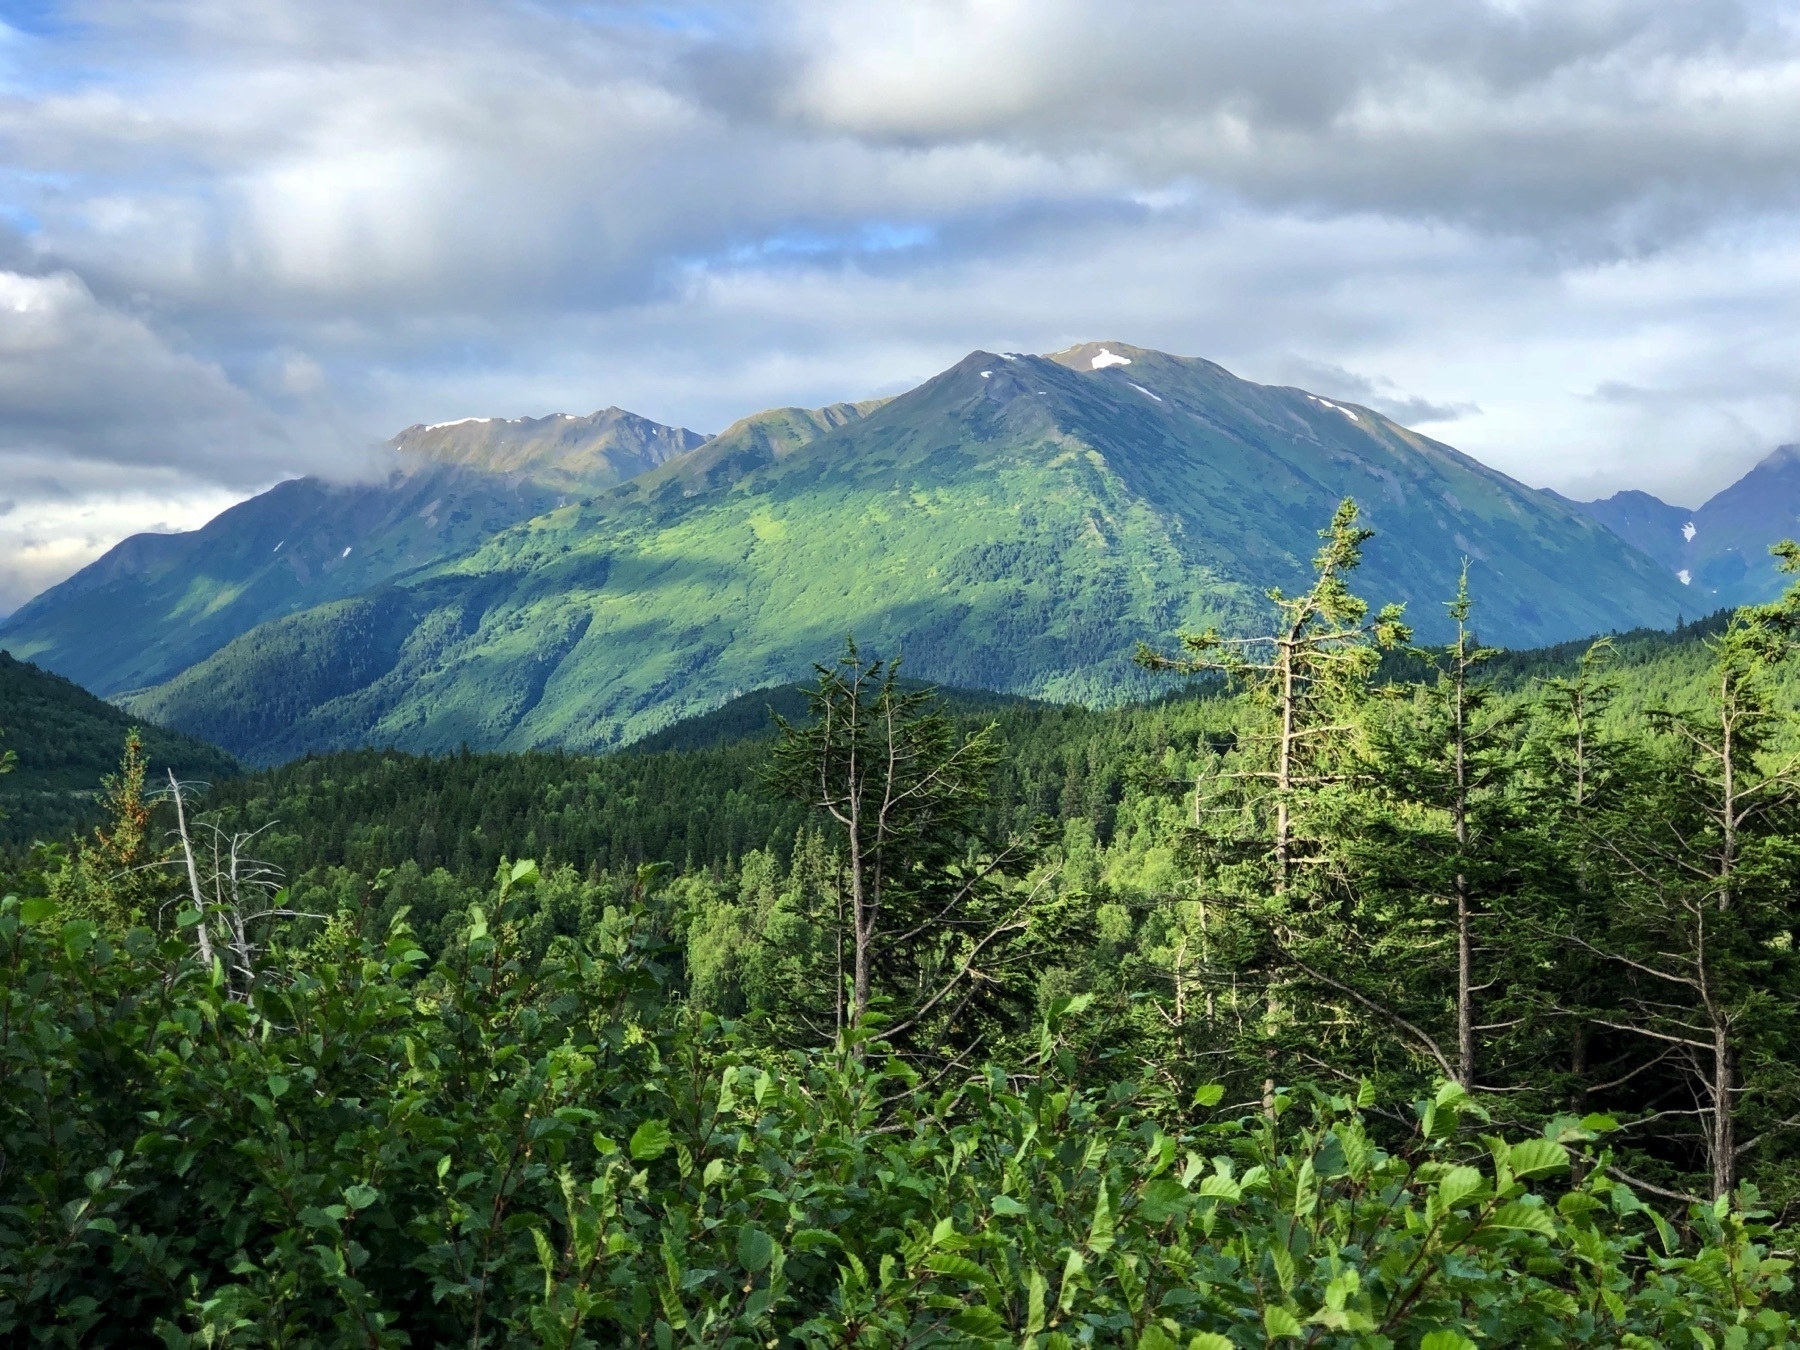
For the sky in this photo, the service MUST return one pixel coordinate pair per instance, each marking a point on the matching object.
(242, 240)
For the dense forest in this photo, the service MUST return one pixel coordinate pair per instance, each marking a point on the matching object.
(1355, 994)
(64, 740)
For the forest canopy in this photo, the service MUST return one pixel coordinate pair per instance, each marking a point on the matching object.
(1360, 994)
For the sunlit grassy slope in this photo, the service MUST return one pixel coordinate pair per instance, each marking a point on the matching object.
(1016, 523)
(157, 603)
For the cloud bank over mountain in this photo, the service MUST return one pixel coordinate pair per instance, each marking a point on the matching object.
(242, 240)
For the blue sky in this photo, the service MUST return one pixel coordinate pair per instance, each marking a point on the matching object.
(244, 239)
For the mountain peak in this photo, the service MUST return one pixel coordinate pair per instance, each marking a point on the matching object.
(1101, 355)
(1781, 457)
(562, 449)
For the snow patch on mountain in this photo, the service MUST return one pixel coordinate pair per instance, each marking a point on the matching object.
(1327, 403)
(1106, 358)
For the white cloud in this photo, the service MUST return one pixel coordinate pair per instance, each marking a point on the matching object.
(253, 236)
(64, 516)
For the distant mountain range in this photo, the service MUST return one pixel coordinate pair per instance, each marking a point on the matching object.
(1719, 551)
(1016, 523)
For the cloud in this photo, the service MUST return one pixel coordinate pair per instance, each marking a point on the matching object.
(62, 514)
(1377, 392)
(84, 380)
(242, 238)
(1568, 117)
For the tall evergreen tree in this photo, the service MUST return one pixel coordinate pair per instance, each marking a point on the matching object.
(1303, 680)
(1702, 932)
(1433, 838)
(925, 923)
(1268, 859)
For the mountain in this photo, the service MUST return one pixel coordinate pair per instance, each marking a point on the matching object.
(158, 603)
(1647, 523)
(1016, 523)
(1728, 555)
(66, 741)
(1720, 552)
(562, 450)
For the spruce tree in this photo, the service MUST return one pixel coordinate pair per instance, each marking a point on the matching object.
(927, 924)
(1701, 936)
(1267, 855)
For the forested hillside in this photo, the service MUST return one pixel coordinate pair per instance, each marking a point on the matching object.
(1358, 993)
(695, 795)
(66, 741)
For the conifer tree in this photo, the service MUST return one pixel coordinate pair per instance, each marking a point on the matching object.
(1265, 850)
(1433, 835)
(117, 878)
(1304, 680)
(1575, 767)
(1702, 936)
(924, 925)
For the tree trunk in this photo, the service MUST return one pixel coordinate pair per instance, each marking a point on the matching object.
(187, 849)
(1465, 993)
(1723, 1141)
(1465, 918)
(863, 932)
(1284, 766)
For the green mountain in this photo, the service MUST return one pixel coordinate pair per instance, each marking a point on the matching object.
(1017, 523)
(158, 603)
(66, 741)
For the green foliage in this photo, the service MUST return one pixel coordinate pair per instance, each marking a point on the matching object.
(115, 878)
(901, 793)
(1560, 884)
(705, 809)
(371, 1149)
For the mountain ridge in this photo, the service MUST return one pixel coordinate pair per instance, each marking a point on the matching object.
(1718, 550)
(308, 541)
(1016, 522)
(561, 450)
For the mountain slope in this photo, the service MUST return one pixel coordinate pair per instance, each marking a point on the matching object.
(1647, 523)
(1017, 523)
(1721, 551)
(67, 740)
(157, 603)
(1728, 557)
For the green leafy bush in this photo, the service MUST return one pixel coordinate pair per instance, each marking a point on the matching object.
(369, 1148)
